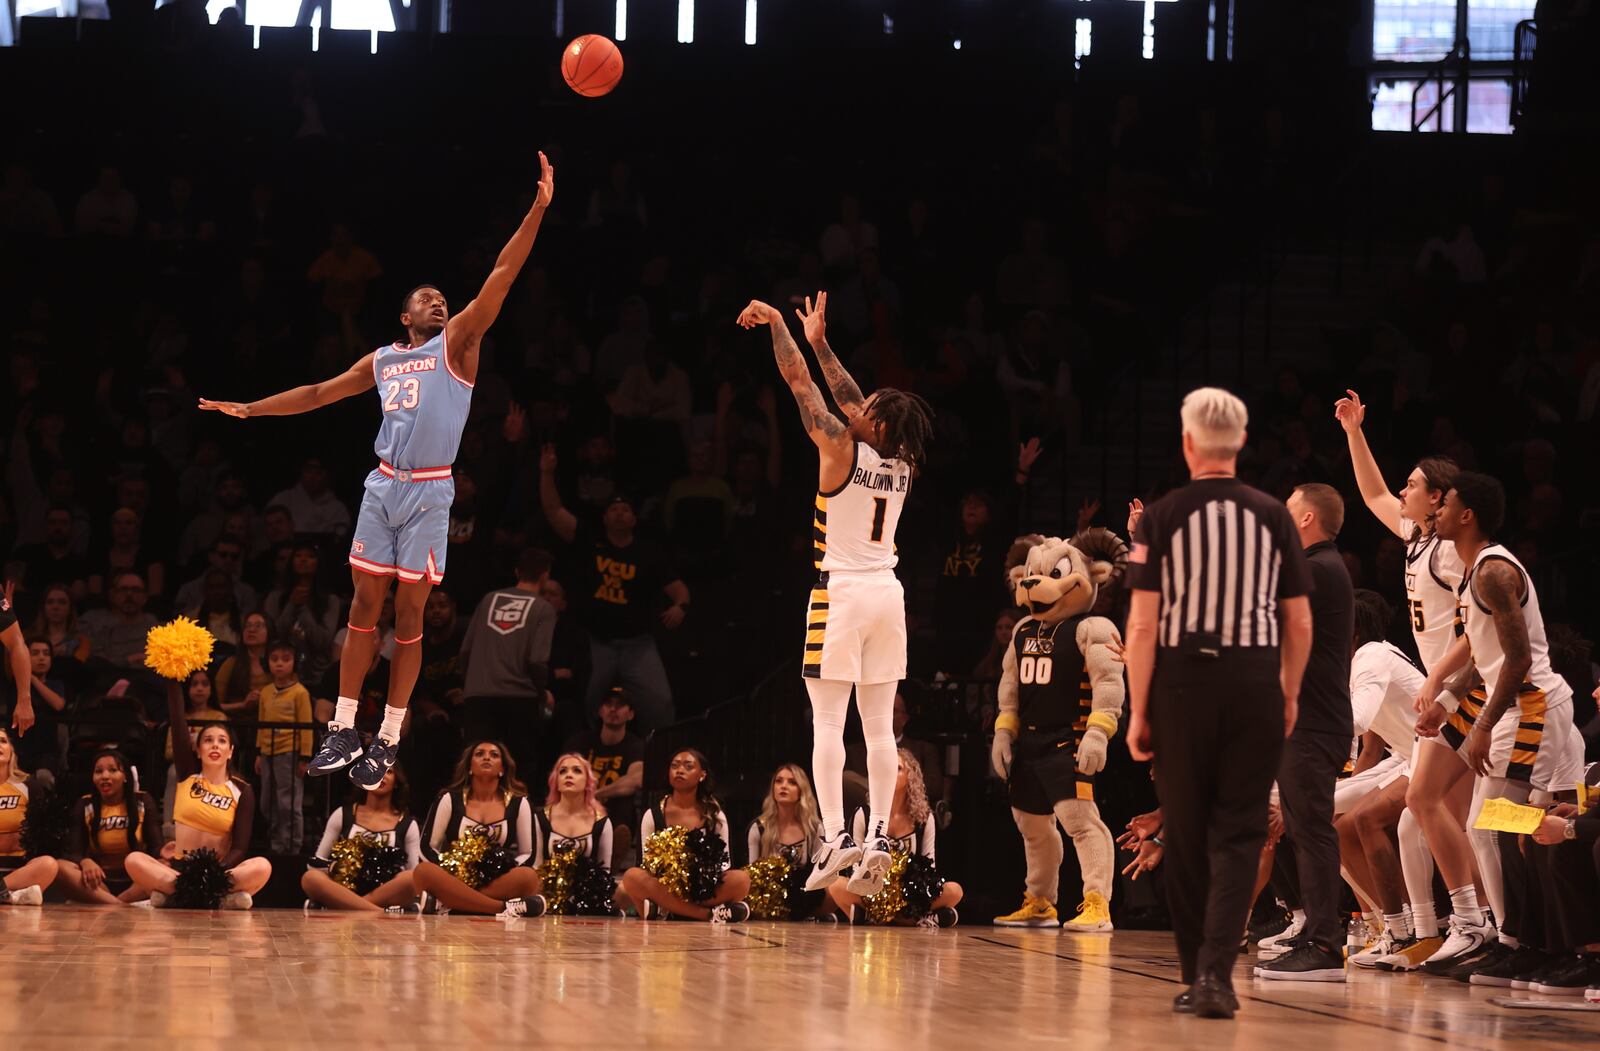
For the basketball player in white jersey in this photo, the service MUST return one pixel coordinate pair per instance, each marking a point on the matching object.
(1433, 574)
(1516, 736)
(856, 620)
(425, 393)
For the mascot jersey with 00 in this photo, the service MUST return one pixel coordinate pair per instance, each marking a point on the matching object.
(1054, 701)
(856, 618)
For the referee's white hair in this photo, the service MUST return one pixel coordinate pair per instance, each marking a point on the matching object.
(1216, 420)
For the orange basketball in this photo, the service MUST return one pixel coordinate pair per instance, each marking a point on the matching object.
(591, 65)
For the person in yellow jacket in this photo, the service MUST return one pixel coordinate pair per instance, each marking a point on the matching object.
(282, 755)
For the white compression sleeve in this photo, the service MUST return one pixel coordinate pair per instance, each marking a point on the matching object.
(830, 703)
(876, 701)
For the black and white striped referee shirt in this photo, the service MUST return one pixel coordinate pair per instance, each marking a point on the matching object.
(1221, 554)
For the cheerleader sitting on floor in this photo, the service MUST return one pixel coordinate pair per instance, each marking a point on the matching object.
(368, 852)
(106, 824)
(915, 894)
(478, 838)
(685, 851)
(25, 879)
(572, 843)
(212, 815)
(782, 842)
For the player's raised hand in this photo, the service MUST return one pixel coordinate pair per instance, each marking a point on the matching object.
(814, 318)
(547, 182)
(238, 409)
(757, 313)
(1349, 411)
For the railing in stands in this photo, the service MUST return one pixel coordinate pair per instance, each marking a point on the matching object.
(1454, 69)
(1525, 40)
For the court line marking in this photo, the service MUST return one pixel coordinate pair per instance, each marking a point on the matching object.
(1454, 1038)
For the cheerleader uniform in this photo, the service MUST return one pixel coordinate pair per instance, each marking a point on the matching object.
(919, 841)
(342, 824)
(799, 852)
(655, 819)
(107, 834)
(13, 812)
(226, 809)
(595, 843)
(448, 822)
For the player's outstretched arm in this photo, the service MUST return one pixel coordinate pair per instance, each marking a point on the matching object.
(1379, 500)
(467, 328)
(814, 320)
(353, 381)
(825, 429)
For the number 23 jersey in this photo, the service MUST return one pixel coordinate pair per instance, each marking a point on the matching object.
(424, 402)
(853, 526)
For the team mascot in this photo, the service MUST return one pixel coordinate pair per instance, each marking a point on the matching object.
(1061, 692)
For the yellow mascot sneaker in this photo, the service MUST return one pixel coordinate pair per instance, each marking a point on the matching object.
(1035, 912)
(1094, 916)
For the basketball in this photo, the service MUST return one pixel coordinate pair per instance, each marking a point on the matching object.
(591, 65)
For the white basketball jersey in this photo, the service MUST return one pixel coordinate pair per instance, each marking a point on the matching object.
(853, 526)
(1486, 651)
(1383, 682)
(1433, 579)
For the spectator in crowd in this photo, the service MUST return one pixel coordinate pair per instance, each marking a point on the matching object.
(654, 390)
(264, 570)
(304, 612)
(116, 634)
(57, 623)
(312, 505)
(127, 552)
(43, 747)
(505, 658)
(282, 755)
(54, 560)
(108, 208)
(570, 663)
(218, 610)
(227, 557)
(971, 584)
(200, 710)
(26, 210)
(625, 578)
(241, 676)
(443, 632)
(625, 346)
(616, 755)
(343, 270)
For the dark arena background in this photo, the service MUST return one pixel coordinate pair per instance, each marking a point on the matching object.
(1049, 218)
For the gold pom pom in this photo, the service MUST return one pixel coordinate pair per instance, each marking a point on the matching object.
(348, 854)
(555, 877)
(666, 857)
(461, 858)
(175, 649)
(769, 890)
(888, 903)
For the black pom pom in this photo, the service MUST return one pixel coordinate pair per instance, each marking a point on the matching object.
(920, 883)
(706, 851)
(592, 889)
(46, 829)
(379, 865)
(497, 861)
(202, 881)
(803, 904)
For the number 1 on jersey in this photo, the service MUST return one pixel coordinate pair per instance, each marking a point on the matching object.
(882, 503)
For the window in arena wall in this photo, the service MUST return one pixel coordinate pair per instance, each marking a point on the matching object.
(1488, 105)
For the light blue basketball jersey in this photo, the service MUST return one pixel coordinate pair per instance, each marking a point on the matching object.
(424, 405)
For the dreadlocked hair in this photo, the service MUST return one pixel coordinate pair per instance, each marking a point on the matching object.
(907, 422)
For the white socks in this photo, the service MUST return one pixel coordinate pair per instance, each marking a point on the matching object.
(1395, 923)
(1464, 904)
(393, 717)
(876, 701)
(1424, 924)
(344, 714)
(830, 702)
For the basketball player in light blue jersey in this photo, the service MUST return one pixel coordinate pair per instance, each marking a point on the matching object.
(425, 390)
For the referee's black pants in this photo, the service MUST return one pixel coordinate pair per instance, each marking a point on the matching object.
(1217, 728)
(1308, 775)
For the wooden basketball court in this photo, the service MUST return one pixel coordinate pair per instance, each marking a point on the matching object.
(132, 978)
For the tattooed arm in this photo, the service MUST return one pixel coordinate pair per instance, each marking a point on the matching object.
(1498, 585)
(845, 392)
(826, 429)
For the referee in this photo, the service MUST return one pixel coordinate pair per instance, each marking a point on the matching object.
(1218, 633)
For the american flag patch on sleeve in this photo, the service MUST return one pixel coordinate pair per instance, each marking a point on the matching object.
(1138, 554)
